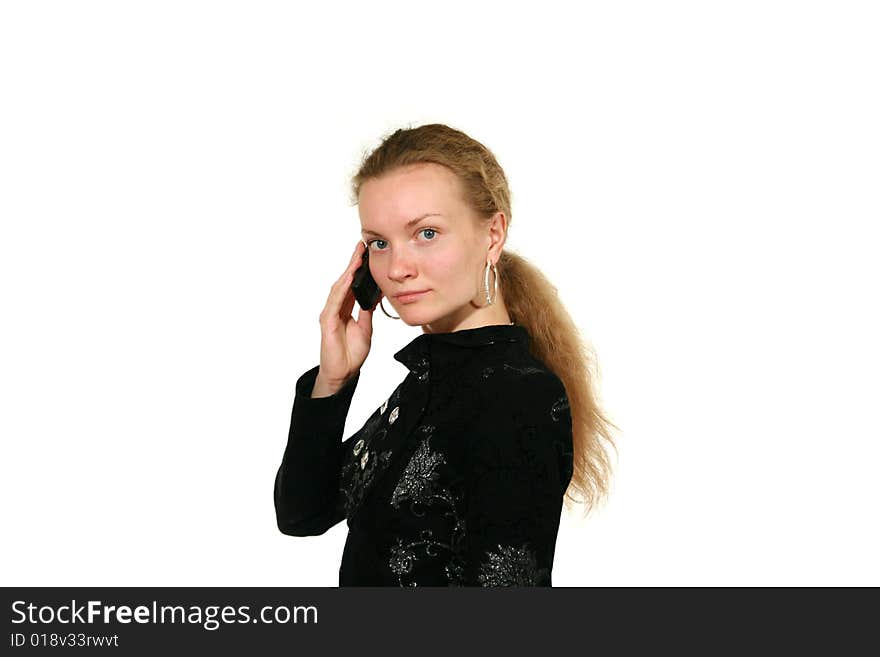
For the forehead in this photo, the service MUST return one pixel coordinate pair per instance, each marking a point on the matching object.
(408, 192)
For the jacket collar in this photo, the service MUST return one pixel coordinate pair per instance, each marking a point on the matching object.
(417, 355)
(442, 353)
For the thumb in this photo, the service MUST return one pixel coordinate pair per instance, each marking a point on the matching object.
(365, 319)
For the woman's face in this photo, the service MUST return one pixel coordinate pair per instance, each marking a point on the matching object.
(421, 236)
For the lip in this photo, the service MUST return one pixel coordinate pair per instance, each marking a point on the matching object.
(410, 296)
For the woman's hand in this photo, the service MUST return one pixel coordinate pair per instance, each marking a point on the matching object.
(345, 342)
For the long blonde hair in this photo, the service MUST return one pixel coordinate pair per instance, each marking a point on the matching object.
(531, 299)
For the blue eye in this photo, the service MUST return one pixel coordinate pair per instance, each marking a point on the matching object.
(423, 230)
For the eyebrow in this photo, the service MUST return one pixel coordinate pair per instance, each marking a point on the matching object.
(409, 223)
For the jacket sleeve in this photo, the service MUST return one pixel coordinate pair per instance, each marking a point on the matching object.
(307, 482)
(520, 464)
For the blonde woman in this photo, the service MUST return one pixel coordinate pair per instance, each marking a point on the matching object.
(459, 476)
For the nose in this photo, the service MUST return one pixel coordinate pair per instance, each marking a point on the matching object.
(401, 266)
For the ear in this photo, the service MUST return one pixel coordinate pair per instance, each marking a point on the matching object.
(497, 235)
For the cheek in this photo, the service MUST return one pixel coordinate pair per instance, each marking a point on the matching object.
(443, 265)
(448, 268)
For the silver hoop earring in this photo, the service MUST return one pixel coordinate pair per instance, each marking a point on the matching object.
(385, 311)
(490, 300)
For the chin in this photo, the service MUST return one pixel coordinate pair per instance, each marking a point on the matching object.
(413, 318)
(416, 316)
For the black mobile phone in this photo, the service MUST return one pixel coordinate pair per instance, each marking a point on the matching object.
(366, 292)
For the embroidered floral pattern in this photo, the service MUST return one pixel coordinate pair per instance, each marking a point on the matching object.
(418, 485)
(404, 557)
(420, 475)
(358, 473)
(511, 566)
(359, 469)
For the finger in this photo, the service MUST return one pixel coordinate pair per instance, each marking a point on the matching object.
(343, 283)
(341, 288)
(365, 320)
(347, 304)
(354, 262)
(356, 257)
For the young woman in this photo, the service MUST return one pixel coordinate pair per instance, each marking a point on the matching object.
(459, 476)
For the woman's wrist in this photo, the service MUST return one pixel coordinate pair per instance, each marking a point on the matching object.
(324, 387)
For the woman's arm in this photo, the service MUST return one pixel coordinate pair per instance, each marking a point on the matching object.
(519, 469)
(307, 482)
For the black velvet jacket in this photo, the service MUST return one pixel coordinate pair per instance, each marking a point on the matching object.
(457, 479)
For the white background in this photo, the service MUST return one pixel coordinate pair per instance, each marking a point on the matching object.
(700, 180)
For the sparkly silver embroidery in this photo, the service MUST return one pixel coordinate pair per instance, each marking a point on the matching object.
(383, 406)
(418, 485)
(511, 566)
(417, 481)
(525, 370)
(455, 571)
(420, 368)
(393, 415)
(355, 473)
(489, 371)
(558, 406)
(402, 559)
(357, 479)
